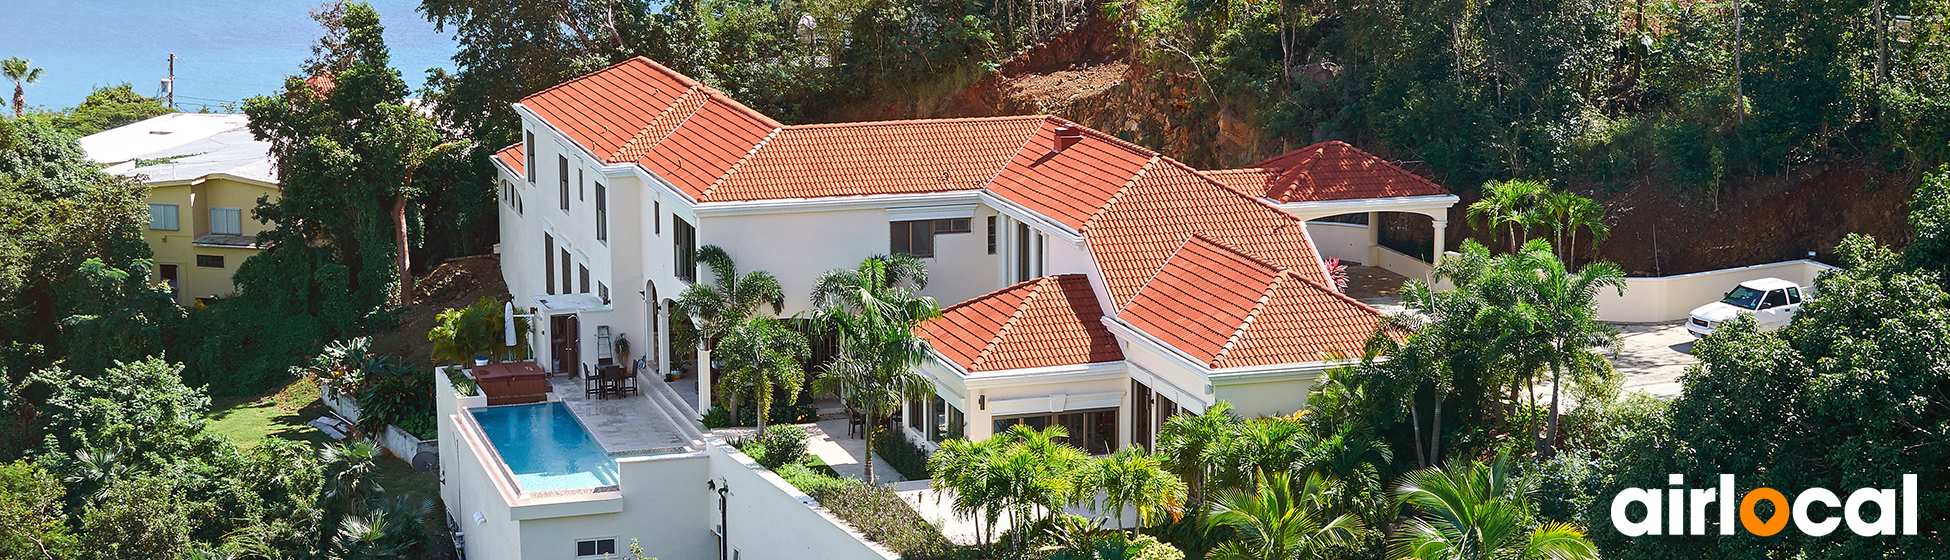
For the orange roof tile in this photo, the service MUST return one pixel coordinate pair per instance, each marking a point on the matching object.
(1135, 233)
(1326, 171)
(1229, 309)
(1048, 321)
(1071, 185)
(708, 145)
(891, 157)
(604, 110)
(511, 157)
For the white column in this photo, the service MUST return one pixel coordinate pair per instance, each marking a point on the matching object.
(661, 318)
(1441, 233)
(1374, 239)
(703, 378)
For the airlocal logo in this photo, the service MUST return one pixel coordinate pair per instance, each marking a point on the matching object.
(1677, 501)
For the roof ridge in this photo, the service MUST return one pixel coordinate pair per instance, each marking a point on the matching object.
(984, 185)
(1112, 201)
(1154, 272)
(640, 135)
(719, 95)
(680, 123)
(1265, 296)
(897, 122)
(687, 81)
(1336, 293)
(1262, 164)
(741, 162)
(1003, 332)
(997, 292)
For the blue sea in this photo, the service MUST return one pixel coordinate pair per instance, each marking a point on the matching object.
(228, 50)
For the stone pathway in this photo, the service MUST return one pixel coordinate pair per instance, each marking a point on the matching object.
(1654, 356)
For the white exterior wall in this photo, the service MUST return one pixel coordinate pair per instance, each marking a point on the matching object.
(769, 518)
(962, 268)
(1167, 377)
(1334, 240)
(797, 247)
(1672, 298)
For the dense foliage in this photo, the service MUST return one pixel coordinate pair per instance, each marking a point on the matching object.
(1850, 395)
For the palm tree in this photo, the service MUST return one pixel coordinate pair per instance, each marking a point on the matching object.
(1191, 444)
(963, 466)
(1274, 444)
(763, 355)
(1034, 474)
(1506, 204)
(874, 309)
(726, 303)
(1130, 478)
(22, 72)
(1587, 214)
(1279, 521)
(1475, 511)
(1560, 309)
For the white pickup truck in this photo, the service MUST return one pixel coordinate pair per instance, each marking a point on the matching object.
(1772, 302)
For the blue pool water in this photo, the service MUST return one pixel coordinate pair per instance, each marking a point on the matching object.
(546, 447)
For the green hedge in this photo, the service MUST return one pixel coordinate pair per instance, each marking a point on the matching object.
(906, 457)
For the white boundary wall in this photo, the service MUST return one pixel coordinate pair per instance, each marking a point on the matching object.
(1334, 240)
(1671, 298)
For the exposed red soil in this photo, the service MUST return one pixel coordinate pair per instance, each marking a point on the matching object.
(456, 283)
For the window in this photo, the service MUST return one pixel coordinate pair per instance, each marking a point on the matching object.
(567, 267)
(162, 216)
(913, 238)
(1794, 295)
(1022, 252)
(1775, 298)
(595, 547)
(582, 272)
(914, 413)
(562, 168)
(603, 344)
(528, 155)
(209, 261)
(602, 291)
(1094, 431)
(657, 217)
(1140, 415)
(169, 277)
(991, 235)
(684, 240)
(226, 221)
(504, 194)
(517, 193)
(944, 422)
(548, 258)
(602, 213)
(581, 193)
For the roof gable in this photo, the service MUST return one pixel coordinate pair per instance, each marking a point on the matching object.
(1330, 170)
(1044, 322)
(1069, 186)
(891, 157)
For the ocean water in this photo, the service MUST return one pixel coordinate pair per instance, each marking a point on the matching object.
(228, 50)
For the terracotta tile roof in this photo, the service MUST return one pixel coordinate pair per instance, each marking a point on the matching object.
(707, 146)
(511, 157)
(1070, 186)
(1144, 223)
(604, 110)
(891, 157)
(1326, 171)
(1227, 308)
(1048, 321)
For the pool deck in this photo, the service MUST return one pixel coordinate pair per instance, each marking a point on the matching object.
(626, 425)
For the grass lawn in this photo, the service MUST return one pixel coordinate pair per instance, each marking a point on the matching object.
(283, 413)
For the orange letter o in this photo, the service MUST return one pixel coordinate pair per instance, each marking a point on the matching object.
(1752, 522)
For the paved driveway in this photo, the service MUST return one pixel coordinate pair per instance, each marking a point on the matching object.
(1653, 356)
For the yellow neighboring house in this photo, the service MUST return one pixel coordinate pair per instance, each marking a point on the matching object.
(205, 174)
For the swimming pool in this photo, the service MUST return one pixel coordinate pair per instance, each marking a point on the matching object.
(545, 447)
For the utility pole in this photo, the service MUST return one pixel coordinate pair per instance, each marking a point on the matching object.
(169, 85)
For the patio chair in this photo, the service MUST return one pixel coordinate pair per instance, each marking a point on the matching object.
(856, 423)
(591, 385)
(626, 381)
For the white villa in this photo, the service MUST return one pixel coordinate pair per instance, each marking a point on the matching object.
(1086, 281)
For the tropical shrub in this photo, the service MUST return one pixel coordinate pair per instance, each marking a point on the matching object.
(882, 516)
(784, 444)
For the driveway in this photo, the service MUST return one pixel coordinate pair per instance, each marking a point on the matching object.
(1653, 356)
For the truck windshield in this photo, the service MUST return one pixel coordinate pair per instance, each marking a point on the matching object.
(1743, 297)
